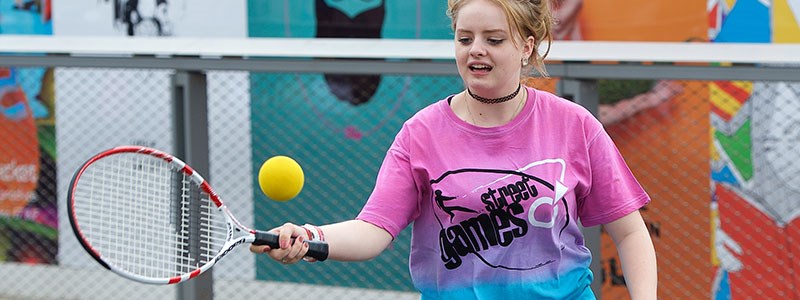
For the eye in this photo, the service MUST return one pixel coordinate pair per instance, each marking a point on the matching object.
(464, 40)
(495, 41)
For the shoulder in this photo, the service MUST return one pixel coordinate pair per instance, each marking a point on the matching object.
(432, 112)
(425, 123)
(431, 116)
(555, 102)
(557, 109)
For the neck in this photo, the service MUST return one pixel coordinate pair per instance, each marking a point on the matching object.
(493, 118)
(495, 100)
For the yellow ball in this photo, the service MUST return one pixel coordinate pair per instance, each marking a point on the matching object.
(281, 178)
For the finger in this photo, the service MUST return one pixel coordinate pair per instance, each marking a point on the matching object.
(292, 258)
(259, 249)
(295, 252)
(289, 259)
(285, 235)
(303, 252)
(278, 254)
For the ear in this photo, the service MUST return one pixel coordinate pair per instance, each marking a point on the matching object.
(528, 46)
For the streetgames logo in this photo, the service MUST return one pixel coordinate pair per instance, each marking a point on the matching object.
(512, 203)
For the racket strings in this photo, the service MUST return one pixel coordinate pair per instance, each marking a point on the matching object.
(146, 217)
(199, 240)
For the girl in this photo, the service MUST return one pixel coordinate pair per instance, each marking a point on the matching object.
(496, 178)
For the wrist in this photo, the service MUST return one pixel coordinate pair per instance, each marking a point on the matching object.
(314, 233)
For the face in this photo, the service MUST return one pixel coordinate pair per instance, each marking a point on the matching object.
(489, 59)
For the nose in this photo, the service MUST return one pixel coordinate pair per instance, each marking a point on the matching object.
(477, 49)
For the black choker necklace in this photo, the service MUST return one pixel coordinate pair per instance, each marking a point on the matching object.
(495, 100)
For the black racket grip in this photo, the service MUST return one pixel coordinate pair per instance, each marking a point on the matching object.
(316, 249)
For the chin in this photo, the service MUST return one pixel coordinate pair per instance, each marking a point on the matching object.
(481, 85)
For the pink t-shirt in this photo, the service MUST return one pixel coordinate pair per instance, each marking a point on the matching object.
(495, 210)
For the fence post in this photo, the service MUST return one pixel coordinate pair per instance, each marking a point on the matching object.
(190, 105)
(584, 92)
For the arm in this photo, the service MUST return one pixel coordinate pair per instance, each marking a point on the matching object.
(661, 92)
(566, 25)
(352, 240)
(637, 255)
(394, 197)
(355, 240)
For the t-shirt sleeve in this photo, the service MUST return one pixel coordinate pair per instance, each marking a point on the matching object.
(614, 191)
(393, 203)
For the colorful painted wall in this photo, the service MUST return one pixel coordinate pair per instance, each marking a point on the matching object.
(729, 238)
(28, 214)
(718, 158)
(755, 174)
(348, 122)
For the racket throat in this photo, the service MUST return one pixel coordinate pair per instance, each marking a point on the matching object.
(228, 249)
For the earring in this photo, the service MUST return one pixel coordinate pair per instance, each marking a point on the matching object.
(525, 61)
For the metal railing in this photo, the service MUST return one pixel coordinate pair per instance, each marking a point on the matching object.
(225, 104)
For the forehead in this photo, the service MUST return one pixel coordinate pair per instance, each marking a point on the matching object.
(481, 15)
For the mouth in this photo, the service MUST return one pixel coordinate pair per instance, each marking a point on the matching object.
(480, 68)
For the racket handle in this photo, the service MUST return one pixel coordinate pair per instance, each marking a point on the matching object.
(316, 249)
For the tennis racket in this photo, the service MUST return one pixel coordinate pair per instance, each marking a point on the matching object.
(149, 217)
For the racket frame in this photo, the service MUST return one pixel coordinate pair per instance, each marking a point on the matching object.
(237, 233)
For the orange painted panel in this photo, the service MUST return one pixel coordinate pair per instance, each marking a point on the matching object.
(635, 20)
(666, 147)
(19, 159)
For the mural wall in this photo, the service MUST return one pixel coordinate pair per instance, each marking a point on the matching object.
(654, 123)
(28, 215)
(338, 126)
(723, 176)
(755, 135)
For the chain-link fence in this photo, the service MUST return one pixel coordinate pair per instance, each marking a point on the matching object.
(719, 158)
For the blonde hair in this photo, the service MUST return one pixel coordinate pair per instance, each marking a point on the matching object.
(526, 18)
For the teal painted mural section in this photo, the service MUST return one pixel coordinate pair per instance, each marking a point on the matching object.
(422, 19)
(338, 128)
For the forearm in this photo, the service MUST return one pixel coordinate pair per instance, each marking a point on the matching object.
(355, 240)
(637, 255)
(638, 261)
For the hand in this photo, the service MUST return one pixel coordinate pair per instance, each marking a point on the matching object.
(291, 250)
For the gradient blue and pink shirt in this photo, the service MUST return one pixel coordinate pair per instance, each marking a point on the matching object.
(495, 211)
